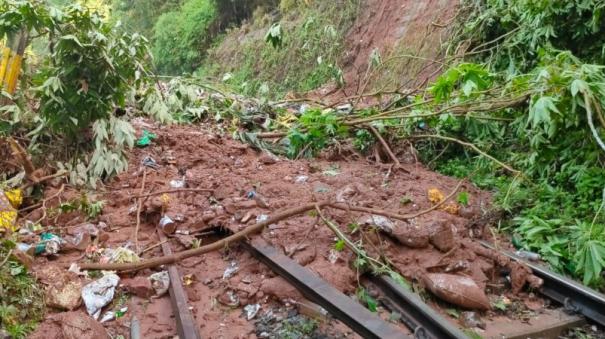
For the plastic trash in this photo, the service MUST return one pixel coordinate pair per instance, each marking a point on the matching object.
(99, 293)
(150, 162)
(230, 270)
(120, 255)
(251, 311)
(262, 218)
(177, 184)
(111, 315)
(145, 139)
(160, 282)
(49, 244)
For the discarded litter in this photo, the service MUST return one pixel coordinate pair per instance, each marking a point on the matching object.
(177, 184)
(99, 293)
(251, 311)
(49, 244)
(301, 179)
(262, 218)
(120, 255)
(150, 162)
(145, 139)
(230, 270)
(251, 194)
(160, 282)
(167, 225)
(111, 315)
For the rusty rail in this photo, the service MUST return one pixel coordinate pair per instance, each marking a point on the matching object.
(345, 309)
(419, 317)
(186, 327)
(574, 297)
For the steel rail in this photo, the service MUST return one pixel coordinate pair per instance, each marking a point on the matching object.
(572, 295)
(345, 309)
(185, 324)
(419, 317)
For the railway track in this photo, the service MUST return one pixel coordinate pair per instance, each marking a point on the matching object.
(418, 320)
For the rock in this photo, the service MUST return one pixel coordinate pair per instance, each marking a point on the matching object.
(347, 193)
(70, 325)
(280, 289)
(442, 236)
(65, 297)
(62, 288)
(458, 290)
(411, 236)
(186, 240)
(267, 159)
(139, 286)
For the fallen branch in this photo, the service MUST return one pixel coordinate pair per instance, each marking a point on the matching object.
(44, 179)
(386, 147)
(257, 228)
(23, 158)
(180, 190)
(470, 145)
(217, 245)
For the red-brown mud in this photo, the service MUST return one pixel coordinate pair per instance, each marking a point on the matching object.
(245, 187)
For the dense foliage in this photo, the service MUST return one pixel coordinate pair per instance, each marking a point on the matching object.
(299, 52)
(552, 53)
(90, 71)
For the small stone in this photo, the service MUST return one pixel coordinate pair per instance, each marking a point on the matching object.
(66, 297)
(139, 286)
(472, 320)
(267, 159)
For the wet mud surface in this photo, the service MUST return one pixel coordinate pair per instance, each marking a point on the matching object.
(246, 186)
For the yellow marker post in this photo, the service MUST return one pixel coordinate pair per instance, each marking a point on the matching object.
(6, 54)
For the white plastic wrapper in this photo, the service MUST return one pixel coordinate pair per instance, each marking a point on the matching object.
(99, 293)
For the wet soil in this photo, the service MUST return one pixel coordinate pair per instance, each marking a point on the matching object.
(247, 186)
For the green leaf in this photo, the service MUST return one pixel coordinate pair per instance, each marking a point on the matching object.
(463, 198)
(340, 245)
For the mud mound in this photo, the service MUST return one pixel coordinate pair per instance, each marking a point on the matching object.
(246, 186)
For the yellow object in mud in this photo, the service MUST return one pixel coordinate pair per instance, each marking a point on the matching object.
(435, 195)
(9, 202)
(6, 54)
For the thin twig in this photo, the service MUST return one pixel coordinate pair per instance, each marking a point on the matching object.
(386, 147)
(10, 252)
(180, 190)
(139, 207)
(467, 144)
(153, 246)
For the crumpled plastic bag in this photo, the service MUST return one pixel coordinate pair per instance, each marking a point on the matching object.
(9, 202)
(120, 255)
(145, 139)
(99, 293)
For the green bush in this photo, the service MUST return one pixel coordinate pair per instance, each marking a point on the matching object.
(181, 36)
(310, 45)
